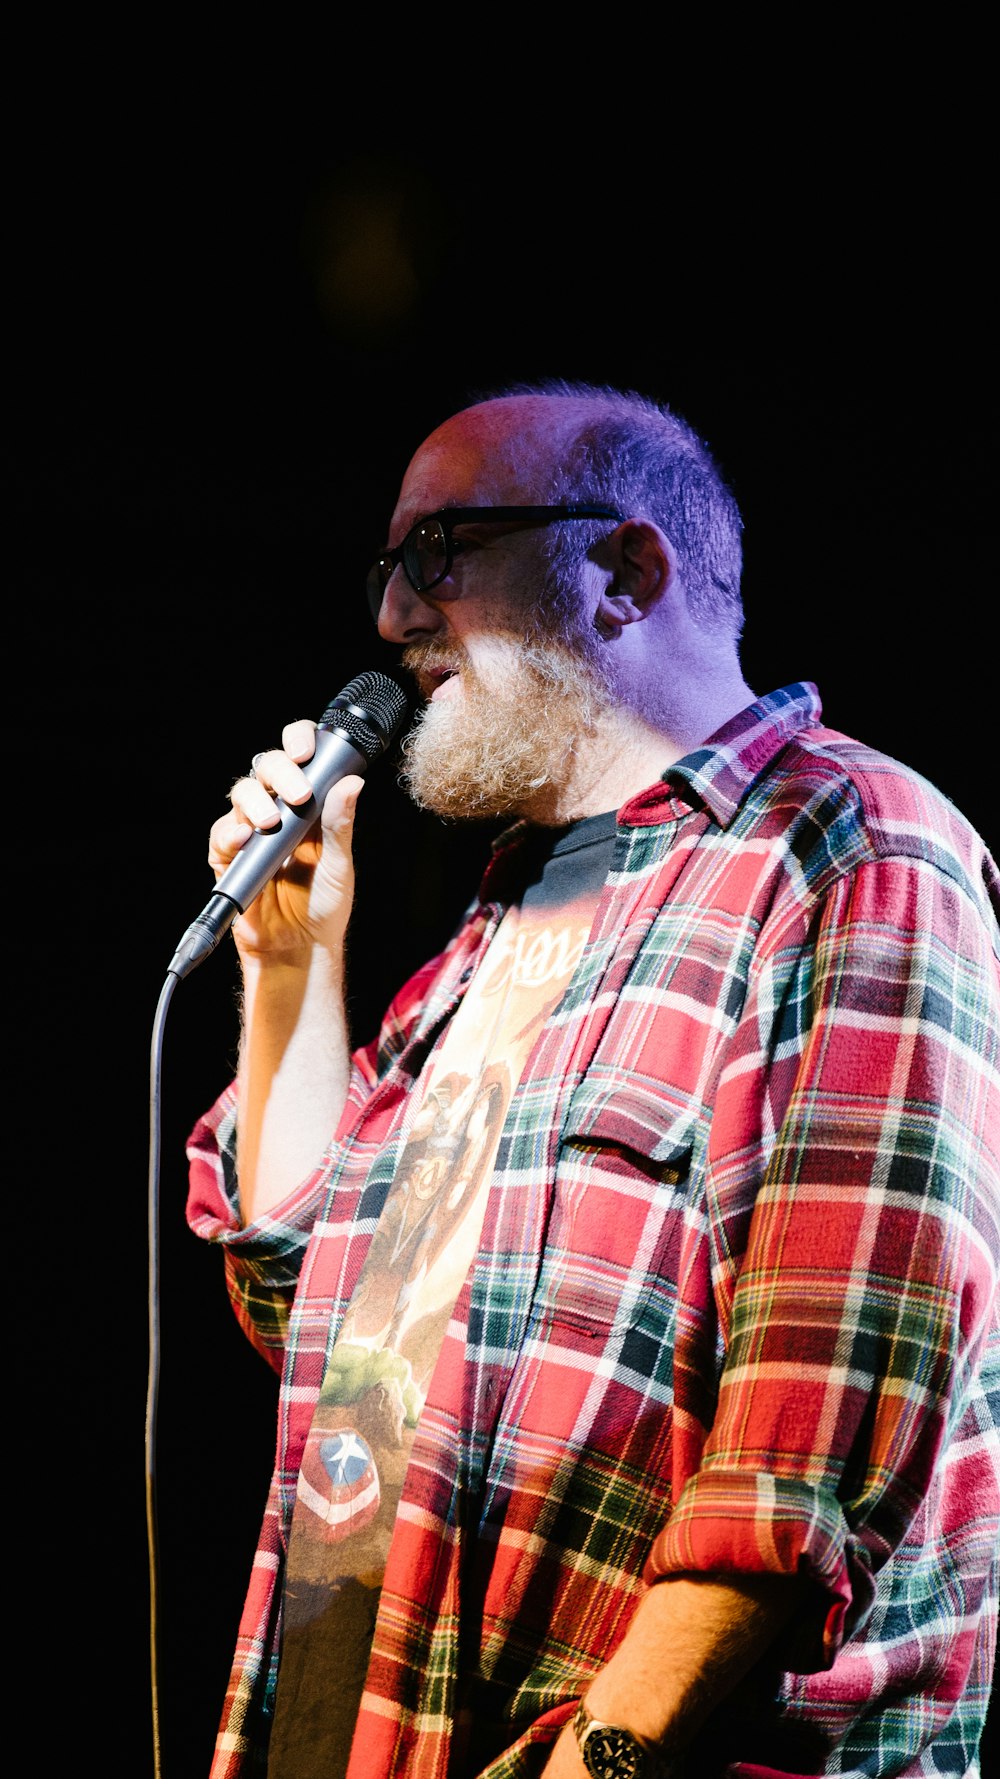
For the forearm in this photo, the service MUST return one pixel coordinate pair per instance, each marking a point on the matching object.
(293, 1074)
(691, 1641)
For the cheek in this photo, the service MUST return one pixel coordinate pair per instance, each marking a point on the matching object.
(495, 662)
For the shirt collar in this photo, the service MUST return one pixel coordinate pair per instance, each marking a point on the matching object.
(718, 774)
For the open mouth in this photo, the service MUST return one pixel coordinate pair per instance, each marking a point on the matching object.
(431, 679)
(431, 669)
(439, 678)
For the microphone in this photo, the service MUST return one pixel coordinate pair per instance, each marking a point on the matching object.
(352, 733)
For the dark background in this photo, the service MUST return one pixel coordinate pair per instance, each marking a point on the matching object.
(235, 321)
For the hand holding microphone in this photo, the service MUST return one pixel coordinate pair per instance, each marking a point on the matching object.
(353, 732)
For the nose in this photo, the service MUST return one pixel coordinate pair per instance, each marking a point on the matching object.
(405, 615)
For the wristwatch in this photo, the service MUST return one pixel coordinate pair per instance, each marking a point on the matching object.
(610, 1752)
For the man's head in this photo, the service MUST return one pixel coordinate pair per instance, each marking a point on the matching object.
(555, 628)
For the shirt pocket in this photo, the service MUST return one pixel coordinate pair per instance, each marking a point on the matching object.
(622, 1180)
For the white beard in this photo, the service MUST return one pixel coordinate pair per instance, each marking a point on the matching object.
(505, 743)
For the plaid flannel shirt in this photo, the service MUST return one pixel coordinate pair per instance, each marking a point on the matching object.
(735, 1305)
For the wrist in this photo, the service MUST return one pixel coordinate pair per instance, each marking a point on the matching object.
(613, 1750)
(292, 946)
(272, 972)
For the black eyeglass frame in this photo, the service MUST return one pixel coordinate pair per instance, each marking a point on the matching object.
(383, 569)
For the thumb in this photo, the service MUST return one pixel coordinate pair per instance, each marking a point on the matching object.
(341, 803)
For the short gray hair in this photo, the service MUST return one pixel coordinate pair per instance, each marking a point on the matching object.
(635, 454)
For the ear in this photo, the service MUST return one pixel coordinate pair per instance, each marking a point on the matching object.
(642, 567)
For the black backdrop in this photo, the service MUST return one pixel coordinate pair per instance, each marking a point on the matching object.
(229, 342)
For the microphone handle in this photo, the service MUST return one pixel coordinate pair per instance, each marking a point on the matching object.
(267, 849)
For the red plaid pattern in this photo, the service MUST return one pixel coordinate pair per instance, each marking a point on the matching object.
(735, 1306)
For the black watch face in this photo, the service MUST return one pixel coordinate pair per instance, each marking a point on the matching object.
(612, 1754)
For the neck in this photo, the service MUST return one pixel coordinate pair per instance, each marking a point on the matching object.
(627, 752)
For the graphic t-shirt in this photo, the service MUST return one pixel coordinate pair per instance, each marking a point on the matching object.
(380, 1367)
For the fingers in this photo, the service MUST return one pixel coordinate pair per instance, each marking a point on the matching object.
(275, 772)
(225, 838)
(298, 744)
(299, 739)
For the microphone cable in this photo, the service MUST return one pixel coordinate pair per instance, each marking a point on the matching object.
(153, 1371)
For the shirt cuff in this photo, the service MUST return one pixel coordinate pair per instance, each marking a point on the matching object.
(271, 1247)
(754, 1523)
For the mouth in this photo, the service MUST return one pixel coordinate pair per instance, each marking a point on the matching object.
(431, 676)
(439, 680)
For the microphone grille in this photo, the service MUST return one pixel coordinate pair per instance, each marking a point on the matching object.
(369, 710)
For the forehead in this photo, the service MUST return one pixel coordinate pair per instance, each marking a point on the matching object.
(498, 453)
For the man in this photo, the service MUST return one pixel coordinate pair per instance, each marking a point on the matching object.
(635, 1291)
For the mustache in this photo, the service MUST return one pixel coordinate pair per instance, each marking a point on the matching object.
(429, 656)
(426, 660)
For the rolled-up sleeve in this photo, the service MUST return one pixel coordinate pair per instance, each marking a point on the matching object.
(262, 1259)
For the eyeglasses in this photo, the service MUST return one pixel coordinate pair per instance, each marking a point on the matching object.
(428, 549)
